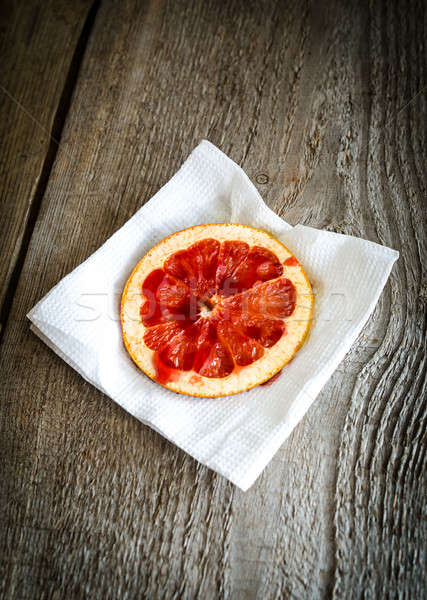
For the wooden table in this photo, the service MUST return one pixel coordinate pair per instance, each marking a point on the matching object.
(324, 106)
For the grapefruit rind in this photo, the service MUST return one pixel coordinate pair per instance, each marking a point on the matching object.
(242, 379)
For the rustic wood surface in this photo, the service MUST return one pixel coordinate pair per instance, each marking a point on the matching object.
(38, 41)
(324, 106)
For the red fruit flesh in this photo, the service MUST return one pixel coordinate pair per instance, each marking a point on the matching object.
(207, 338)
(272, 299)
(180, 352)
(164, 374)
(204, 255)
(158, 336)
(291, 262)
(260, 265)
(244, 350)
(234, 333)
(266, 332)
(213, 359)
(165, 299)
(231, 256)
(173, 293)
(218, 362)
(150, 309)
(196, 266)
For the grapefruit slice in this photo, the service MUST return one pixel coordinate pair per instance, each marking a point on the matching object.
(215, 309)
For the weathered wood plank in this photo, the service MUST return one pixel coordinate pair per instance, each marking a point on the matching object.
(381, 479)
(37, 43)
(304, 97)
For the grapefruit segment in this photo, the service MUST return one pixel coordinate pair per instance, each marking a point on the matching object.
(272, 299)
(213, 359)
(164, 374)
(158, 336)
(178, 265)
(208, 337)
(173, 294)
(180, 351)
(231, 255)
(150, 310)
(164, 298)
(244, 350)
(196, 267)
(204, 256)
(218, 363)
(266, 332)
(260, 265)
(215, 309)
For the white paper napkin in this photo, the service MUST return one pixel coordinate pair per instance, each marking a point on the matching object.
(237, 435)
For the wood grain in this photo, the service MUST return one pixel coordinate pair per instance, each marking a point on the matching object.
(37, 43)
(324, 105)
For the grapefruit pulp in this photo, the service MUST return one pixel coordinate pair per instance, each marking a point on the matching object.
(215, 309)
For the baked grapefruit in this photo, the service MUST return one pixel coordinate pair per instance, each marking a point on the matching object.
(215, 309)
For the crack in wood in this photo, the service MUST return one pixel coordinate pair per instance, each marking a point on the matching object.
(55, 140)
